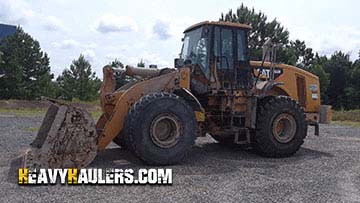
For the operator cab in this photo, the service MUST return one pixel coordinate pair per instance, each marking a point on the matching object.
(217, 52)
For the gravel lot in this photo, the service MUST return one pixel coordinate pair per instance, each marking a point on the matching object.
(326, 169)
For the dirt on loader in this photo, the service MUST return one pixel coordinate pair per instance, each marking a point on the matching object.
(67, 138)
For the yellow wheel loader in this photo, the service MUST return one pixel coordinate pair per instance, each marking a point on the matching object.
(213, 89)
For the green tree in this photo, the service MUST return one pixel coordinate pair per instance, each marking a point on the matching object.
(121, 79)
(298, 54)
(292, 53)
(338, 67)
(79, 81)
(317, 68)
(116, 64)
(353, 90)
(339, 77)
(262, 29)
(26, 68)
(323, 79)
(1, 60)
(2, 73)
(141, 64)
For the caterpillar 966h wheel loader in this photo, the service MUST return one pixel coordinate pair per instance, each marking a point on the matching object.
(214, 89)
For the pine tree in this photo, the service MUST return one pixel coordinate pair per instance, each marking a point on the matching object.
(120, 79)
(353, 90)
(2, 72)
(141, 64)
(318, 70)
(339, 77)
(262, 29)
(338, 67)
(292, 53)
(26, 68)
(79, 81)
(116, 64)
(298, 54)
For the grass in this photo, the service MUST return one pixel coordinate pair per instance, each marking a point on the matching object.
(24, 111)
(24, 108)
(352, 115)
(30, 129)
(77, 101)
(348, 123)
(348, 118)
(95, 114)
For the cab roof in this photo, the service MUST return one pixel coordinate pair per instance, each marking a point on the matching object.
(219, 23)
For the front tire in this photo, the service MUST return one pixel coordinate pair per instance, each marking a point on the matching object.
(281, 127)
(120, 139)
(162, 127)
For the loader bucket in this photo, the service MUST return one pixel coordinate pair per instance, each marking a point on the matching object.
(67, 138)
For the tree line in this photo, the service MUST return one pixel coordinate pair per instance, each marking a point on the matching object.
(339, 76)
(25, 68)
(25, 73)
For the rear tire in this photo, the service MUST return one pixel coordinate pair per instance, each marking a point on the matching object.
(162, 127)
(281, 127)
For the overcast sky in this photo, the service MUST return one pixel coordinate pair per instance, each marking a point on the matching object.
(152, 29)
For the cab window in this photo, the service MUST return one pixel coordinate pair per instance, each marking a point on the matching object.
(242, 50)
(195, 48)
(223, 48)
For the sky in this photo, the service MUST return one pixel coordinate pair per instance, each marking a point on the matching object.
(152, 29)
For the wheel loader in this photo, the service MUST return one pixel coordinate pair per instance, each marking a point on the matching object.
(214, 89)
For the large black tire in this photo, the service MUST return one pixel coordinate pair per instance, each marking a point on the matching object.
(281, 127)
(123, 139)
(162, 127)
(120, 139)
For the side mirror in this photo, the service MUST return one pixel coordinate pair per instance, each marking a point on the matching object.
(187, 62)
(178, 63)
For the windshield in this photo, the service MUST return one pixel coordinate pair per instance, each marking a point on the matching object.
(195, 48)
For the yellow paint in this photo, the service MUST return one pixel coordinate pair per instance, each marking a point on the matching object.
(115, 123)
(219, 23)
(185, 78)
(290, 87)
(200, 116)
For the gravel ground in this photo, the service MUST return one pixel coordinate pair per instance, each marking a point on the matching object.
(325, 169)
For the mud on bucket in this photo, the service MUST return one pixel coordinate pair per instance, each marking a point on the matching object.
(67, 138)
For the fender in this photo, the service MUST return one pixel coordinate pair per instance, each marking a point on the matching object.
(190, 98)
(193, 102)
(115, 123)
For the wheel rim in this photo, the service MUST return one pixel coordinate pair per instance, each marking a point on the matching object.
(165, 130)
(284, 128)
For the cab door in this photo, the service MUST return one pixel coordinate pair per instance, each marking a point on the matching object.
(243, 72)
(224, 54)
